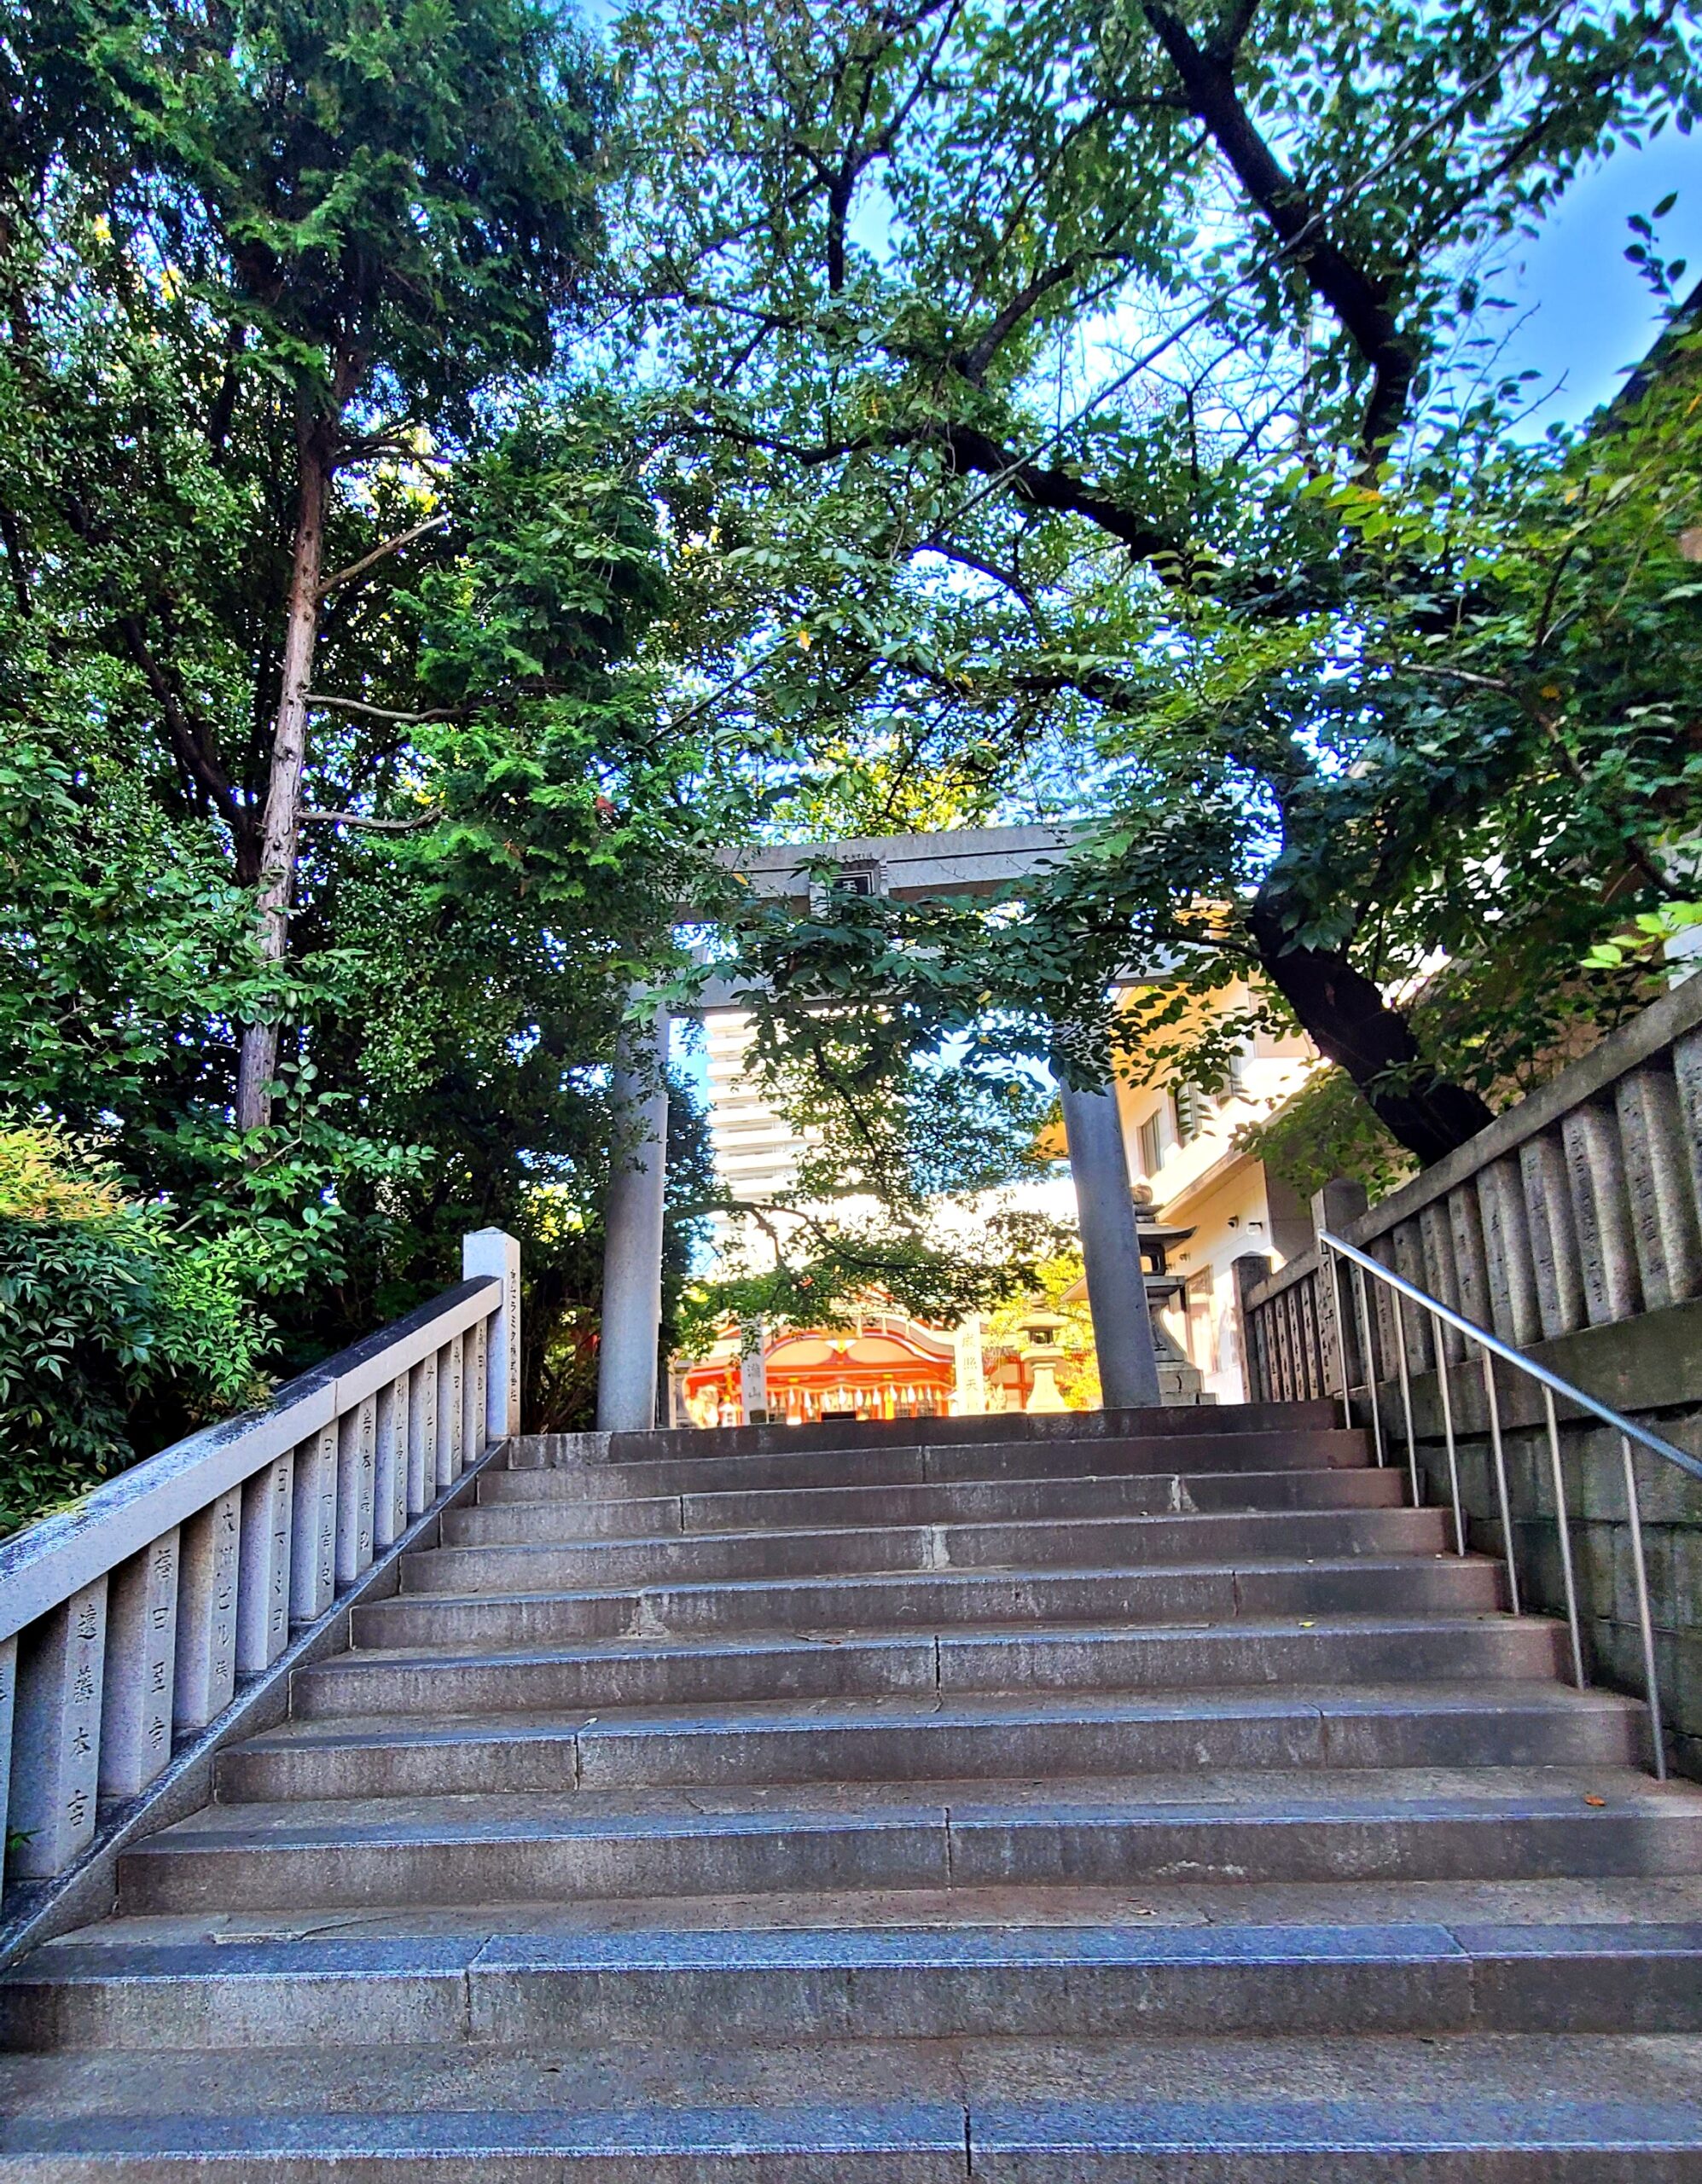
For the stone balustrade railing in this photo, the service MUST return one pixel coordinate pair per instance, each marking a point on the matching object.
(1578, 1207)
(134, 1625)
(1571, 1228)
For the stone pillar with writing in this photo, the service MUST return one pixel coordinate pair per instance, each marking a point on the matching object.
(57, 1738)
(205, 1671)
(969, 1372)
(753, 1372)
(141, 1655)
(1341, 1201)
(492, 1252)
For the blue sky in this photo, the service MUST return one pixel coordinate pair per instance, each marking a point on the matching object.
(1586, 314)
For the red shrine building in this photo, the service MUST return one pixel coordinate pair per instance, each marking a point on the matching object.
(888, 1367)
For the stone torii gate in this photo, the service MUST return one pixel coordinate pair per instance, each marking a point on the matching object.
(907, 867)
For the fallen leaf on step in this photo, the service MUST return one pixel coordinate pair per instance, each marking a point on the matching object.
(1309, 1624)
(1595, 1801)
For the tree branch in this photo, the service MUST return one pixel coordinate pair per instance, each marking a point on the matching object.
(1052, 487)
(1358, 299)
(382, 713)
(972, 362)
(341, 576)
(375, 825)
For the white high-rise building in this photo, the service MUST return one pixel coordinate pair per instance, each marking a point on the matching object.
(756, 1150)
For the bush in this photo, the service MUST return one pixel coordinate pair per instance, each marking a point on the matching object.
(116, 1331)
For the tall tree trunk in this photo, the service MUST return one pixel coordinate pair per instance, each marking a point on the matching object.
(280, 825)
(1352, 1025)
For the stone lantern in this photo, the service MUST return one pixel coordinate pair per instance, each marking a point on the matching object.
(1044, 1355)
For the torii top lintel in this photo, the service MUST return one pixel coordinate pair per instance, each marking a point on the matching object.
(908, 867)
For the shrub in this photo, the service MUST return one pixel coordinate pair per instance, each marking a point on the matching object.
(116, 1330)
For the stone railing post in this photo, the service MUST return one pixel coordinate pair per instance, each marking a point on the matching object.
(1250, 1270)
(1340, 1201)
(56, 1761)
(490, 1250)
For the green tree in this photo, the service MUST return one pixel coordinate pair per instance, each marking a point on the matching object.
(916, 240)
(371, 213)
(494, 830)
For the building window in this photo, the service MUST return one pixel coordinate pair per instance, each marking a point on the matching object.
(1192, 1109)
(1151, 1135)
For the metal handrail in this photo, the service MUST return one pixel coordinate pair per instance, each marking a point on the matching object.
(1491, 1347)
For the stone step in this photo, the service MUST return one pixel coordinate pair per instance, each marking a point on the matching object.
(982, 1501)
(1305, 1825)
(857, 1982)
(1114, 1657)
(932, 1737)
(1445, 1584)
(922, 1466)
(1168, 1421)
(1481, 2108)
(1092, 1540)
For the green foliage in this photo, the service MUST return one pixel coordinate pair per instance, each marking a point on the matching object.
(1324, 1130)
(219, 236)
(1035, 469)
(112, 1322)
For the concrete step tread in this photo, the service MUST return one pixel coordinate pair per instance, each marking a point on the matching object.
(1105, 1571)
(536, 1602)
(1165, 1421)
(950, 1637)
(1420, 1521)
(1583, 1903)
(709, 1495)
(990, 1709)
(961, 1945)
(927, 1466)
(980, 1501)
(1231, 1570)
(970, 2103)
(1604, 1796)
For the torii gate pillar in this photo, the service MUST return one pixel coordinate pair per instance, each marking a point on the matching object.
(632, 1231)
(1111, 1250)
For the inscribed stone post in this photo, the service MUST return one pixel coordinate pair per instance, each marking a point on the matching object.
(56, 1757)
(1658, 1179)
(1601, 1209)
(1554, 1257)
(8, 1686)
(263, 1567)
(474, 1393)
(969, 1369)
(142, 1656)
(449, 1418)
(390, 1490)
(206, 1611)
(422, 1435)
(313, 1542)
(356, 1464)
(1341, 1201)
(491, 1252)
(753, 1372)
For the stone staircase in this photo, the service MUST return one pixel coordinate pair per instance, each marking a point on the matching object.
(1147, 1795)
